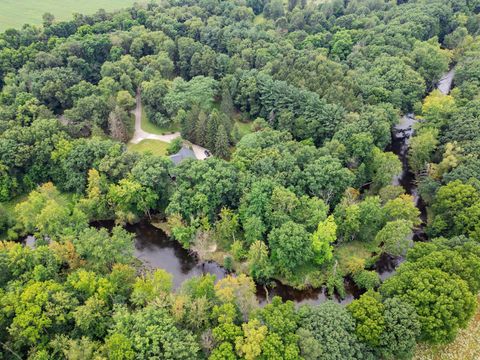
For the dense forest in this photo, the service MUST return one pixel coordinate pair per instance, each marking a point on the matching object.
(297, 102)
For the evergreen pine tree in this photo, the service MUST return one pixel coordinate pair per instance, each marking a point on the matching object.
(201, 129)
(221, 143)
(236, 135)
(212, 130)
(187, 124)
(229, 124)
(190, 127)
(226, 105)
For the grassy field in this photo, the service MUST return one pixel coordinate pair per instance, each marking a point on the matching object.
(244, 128)
(156, 147)
(346, 252)
(15, 13)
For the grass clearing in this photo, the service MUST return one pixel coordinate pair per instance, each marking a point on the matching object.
(150, 127)
(156, 147)
(344, 253)
(244, 128)
(15, 13)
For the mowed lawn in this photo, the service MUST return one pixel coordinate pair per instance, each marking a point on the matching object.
(156, 147)
(15, 13)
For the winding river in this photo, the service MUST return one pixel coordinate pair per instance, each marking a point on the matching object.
(401, 135)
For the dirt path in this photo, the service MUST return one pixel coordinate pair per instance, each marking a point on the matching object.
(140, 134)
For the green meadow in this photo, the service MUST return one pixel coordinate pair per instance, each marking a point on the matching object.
(15, 13)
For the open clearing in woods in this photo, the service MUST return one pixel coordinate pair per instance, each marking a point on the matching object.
(15, 13)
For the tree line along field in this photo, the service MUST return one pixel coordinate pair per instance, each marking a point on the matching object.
(14, 13)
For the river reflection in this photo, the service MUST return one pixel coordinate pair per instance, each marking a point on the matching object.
(308, 296)
(156, 250)
(387, 264)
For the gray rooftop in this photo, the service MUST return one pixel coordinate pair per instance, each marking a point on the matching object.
(184, 153)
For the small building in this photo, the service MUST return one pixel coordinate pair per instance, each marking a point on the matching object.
(184, 153)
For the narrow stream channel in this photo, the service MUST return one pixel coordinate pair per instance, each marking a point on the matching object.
(156, 250)
(401, 135)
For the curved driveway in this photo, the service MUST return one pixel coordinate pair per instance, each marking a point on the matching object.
(140, 134)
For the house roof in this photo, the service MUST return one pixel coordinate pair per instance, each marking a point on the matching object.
(184, 153)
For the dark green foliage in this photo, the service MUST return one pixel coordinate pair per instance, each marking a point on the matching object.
(291, 247)
(401, 330)
(260, 95)
(443, 302)
(175, 146)
(453, 206)
(366, 279)
(5, 219)
(73, 160)
(332, 331)
(153, 93)
(152, 331)
(203, 188)
(153, 172)
(457, 256)
(102, 250)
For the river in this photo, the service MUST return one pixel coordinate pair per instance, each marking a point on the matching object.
(401, 135)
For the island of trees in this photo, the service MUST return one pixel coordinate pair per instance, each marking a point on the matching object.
(296, 101)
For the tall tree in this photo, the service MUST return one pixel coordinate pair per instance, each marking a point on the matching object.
(325, 235)
(443, 302)
(221, 142)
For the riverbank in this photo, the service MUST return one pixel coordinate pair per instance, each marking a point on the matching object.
(312, 281)
(157, 248)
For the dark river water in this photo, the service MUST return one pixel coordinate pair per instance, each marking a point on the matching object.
(156, 250)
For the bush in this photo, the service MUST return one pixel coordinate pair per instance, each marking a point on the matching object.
(4, 219)
(366, 279)
(238, 251)
(175, 146)
(228, 263)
